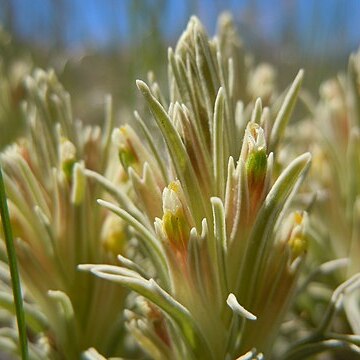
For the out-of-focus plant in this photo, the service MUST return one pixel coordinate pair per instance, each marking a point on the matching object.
(335, 143)
(57, 226)
(211, 212)
(13, 69)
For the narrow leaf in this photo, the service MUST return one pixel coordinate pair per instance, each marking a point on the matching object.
(285, 111)
(15, 278)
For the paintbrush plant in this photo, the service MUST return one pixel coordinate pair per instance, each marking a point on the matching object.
(224, 246)
(336, 148)
(57, 226)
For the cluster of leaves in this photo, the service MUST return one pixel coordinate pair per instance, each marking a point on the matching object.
(204, 203)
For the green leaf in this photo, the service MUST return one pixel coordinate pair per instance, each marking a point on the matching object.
(285, 111)
(219, 248)
(15, 278)
(218, 144)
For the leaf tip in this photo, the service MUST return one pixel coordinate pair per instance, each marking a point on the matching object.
(238, 309)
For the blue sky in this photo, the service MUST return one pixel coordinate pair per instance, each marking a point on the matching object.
(317, 24)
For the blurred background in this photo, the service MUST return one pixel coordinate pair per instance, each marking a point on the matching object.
(102, 46)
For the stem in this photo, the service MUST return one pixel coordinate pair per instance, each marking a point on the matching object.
(15, 279)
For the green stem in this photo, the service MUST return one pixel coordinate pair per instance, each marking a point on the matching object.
(15, 280)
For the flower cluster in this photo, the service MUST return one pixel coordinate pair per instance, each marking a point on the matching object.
(336, 215)
(201, 242)
(225, 262)
(57, 226)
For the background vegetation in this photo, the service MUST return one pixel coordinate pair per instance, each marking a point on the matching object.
(99, 47)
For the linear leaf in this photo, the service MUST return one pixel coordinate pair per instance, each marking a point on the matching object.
(285, 111)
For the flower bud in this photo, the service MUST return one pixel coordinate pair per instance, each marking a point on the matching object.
(254, 155)
(297, 239)
(256, 165)
(124, 139)
(254, 141)
(114, 235)
(67, 157)
(175, 225)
